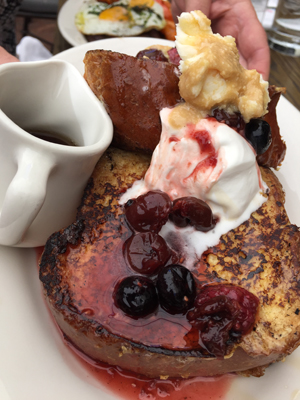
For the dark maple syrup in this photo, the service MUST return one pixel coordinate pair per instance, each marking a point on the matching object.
(53, 137)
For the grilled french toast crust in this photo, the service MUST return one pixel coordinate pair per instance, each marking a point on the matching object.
(133, 92)
(80, 264)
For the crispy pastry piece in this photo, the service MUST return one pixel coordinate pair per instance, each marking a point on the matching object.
(81, 265)
(133, 92)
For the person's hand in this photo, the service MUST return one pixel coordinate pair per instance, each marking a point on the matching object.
(5, 57)
(179, 6)
(238, 19)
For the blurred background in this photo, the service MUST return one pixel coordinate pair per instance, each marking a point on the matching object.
(44, 26)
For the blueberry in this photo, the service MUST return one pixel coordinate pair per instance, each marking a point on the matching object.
(136, 296)
(176, 289)
(258, 133)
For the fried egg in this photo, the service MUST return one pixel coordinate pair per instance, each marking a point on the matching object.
(121, 18)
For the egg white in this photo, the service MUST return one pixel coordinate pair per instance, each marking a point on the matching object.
(141, 19)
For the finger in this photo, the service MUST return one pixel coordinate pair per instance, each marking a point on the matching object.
(179, 6)
(239, 20)
(261, 62)
(202, 5)
(254, 49)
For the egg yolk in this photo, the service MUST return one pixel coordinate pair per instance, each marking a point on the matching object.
(115, 14)
(141, 3)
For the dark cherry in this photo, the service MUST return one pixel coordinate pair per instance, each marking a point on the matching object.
(222, 314)
(136, 296)
(146, 252)
(148, 212)
(153, 54)
(258, 133)
(176, 289)
(174, 56)
(192, 211)
(234, 120)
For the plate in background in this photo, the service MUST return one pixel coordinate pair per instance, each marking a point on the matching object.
(66, 22)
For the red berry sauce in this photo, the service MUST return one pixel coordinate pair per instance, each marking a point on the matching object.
(129, 386)
(207, 149)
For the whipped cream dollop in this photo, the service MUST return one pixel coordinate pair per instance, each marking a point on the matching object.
(207, 160)
(212, 162)
(211, 73)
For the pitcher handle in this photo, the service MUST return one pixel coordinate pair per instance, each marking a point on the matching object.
(25, 196)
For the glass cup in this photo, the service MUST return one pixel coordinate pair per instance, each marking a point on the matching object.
(284, 36)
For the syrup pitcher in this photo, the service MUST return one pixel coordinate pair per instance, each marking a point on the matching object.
(53, 130)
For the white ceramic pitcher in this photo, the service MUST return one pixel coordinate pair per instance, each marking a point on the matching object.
(41, 183)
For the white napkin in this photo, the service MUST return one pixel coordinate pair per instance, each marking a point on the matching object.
(31, 49)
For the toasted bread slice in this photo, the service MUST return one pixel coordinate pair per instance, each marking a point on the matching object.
(133, 92)
(118, 80)
(82, 263)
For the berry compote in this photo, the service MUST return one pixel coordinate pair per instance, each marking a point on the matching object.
(192, 211)
(136, 296)
(222, 313)
(176, 289)
(148, 212)
(146, 252)
(258, 134)
(219, 314)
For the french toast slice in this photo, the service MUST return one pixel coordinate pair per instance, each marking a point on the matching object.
(82, 263)
(118, 80)
(133, 92)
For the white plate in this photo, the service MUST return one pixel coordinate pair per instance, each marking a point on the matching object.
(66, 23)
(35, 364)
(128, 45)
